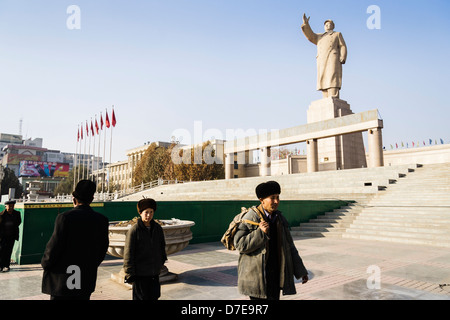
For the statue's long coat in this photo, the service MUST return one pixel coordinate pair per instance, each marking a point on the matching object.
(331, 49)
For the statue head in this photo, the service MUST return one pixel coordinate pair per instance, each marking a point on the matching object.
(329, 25)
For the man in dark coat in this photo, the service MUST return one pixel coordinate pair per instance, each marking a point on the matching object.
(77, 247)
(145, 253)
(9, 232)
(268, 259)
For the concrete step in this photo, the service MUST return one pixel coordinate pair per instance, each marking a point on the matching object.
(320, 229)
(404, 235)
(315, 234)
(402, 228)
(398, 239)
(405, 213)
(312, 225)
(352, 181)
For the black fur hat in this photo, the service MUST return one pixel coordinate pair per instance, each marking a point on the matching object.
(268, 188)
(84, 191)
(146, 203)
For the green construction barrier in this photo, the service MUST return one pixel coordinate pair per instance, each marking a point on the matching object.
(211, 219)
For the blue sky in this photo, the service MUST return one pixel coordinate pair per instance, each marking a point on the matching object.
(231, 64)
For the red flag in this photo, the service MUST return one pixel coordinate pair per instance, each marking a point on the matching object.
(87, 130)
(113, 120)
(96, 126)
(78, 134)
(107, 120)
(92, 128)
(81, 132)
(101, 122)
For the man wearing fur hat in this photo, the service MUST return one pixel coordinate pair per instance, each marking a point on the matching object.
(145, 253)
(9, 233)
(268, 259)
(76, 248)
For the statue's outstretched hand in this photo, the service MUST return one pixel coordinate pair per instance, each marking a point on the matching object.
(305, 19)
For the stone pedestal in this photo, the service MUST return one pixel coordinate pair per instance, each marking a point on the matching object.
(164, 276)
(340, 152)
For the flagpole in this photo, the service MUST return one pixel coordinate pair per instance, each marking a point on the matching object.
(89, 155)
(93, 150)
(76, 157)
(110, 146)
(79, 155)
(104, 156)
(84, 154)
(98, 152)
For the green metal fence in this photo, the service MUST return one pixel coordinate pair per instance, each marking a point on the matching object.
(211, 219)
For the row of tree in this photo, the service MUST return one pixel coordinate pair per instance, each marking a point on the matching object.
(11, 181)
(165, 163)
(158, 163)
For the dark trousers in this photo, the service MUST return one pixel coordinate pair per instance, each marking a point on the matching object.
(146, 288)
(6, 247)
(272, 266)
(273, 286)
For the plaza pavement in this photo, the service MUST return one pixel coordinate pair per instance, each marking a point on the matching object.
(339, 269)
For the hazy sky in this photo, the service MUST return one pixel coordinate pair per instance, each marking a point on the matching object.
(230, 64)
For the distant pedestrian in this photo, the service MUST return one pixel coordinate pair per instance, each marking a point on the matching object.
(268, 259)
(76, 248)
(9, 232)
(145, 253)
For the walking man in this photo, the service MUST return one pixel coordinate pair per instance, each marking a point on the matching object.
(268, 259)
(76, 248)
(9, 233)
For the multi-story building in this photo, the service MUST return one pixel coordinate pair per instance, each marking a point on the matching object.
(5, 139)
(31, 162)
(120, 174)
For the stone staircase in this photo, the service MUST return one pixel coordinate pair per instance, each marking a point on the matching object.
(414, 210)
(353, 184)
(331, 224)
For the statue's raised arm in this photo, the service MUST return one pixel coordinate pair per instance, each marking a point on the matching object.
(307, 31)
(305, 19)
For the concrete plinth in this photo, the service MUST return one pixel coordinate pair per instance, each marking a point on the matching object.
(340, 152)
(165, 276)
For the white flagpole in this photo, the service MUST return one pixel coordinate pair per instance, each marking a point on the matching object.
(104, 156)
(98, 153)
(79, 155)
(75, 158)
(84, 155)
(110, 147)
(89, 155)
(93, 149)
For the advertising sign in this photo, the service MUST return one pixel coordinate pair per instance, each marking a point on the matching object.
(17, 158)
(43, 169)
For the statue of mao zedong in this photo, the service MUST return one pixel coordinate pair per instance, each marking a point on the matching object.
(331, 55)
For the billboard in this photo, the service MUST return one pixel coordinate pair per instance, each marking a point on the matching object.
(12, 158)
(43, 169)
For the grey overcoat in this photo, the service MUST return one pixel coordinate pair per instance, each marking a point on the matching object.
(253, 245)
